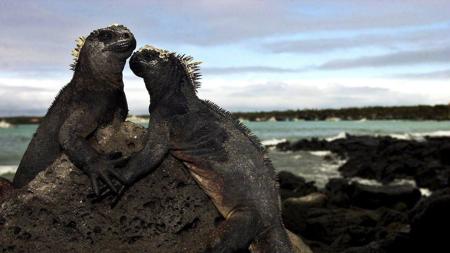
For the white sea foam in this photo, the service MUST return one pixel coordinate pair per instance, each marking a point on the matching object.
(438, 134)
(4, 124)
(420, 136)
(327, 171)
(4, 169)
(399, 136)
(404, 182)
(321, 153)
(417, 136)
(365, 181)
(425, 192)
(376, 183)
(341, 135)
(406, 136)
(272, 142)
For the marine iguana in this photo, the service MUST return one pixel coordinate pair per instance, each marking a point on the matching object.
(221, 154)
(93, 98)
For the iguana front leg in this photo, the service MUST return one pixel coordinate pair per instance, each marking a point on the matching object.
(148, 159)
(73, 139)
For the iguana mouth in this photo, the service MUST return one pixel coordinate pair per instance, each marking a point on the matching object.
(121, 46)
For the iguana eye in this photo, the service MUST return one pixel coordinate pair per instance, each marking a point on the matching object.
(105, 36)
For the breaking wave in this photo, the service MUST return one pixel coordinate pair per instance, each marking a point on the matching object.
(5, 169)
(399, 136)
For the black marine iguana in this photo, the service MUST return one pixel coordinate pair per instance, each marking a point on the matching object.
(94, 97)
(225, 159)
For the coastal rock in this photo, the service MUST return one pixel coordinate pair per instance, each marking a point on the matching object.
(316, 199)
(395, 196)
(343, 193)
(430, 222)
(339, 227)
(385, 159)
(5, 188)
(294, 186)
(349, 229)
(394, 244)
(339, 192)
(164, 212)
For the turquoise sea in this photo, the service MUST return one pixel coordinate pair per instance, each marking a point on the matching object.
(311, 165)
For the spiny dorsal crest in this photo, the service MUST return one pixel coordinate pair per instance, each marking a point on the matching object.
(192, 69)
(76, 51)
(238, 124)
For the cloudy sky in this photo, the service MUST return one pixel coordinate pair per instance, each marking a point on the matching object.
(256, 54)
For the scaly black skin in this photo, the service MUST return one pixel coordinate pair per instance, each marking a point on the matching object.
(93, 98)
(221, 155)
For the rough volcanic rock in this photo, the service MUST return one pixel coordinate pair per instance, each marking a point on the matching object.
(386, 159)
(343, 193)
(339, 192)
(164, 212)
(5, 188)
(294, 186)
(348, 229)
(352, 217)
(430, 223)
(372, 197)
(315, 199)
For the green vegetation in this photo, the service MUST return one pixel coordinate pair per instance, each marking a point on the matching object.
(22, 120)
(420, 112)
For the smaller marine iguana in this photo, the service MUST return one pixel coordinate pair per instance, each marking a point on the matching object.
(93, 98)
(224, 158)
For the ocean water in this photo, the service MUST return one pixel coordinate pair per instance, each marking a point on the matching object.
(318, 166)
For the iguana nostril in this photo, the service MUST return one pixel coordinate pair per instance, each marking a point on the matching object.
(126, 35)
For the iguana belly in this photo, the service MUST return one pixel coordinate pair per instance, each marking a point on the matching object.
(213, 185)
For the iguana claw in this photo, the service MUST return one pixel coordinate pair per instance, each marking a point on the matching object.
(103, 170)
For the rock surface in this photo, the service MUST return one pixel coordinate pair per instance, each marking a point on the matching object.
(294, 186)
(430, 222)
(5, 188)
(164, 212)
(357, 216)
(427, 160)
(350, 217)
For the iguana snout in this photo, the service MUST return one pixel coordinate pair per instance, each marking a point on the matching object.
(114, 38)
(150, 60)
(105, 50)
(118, 39)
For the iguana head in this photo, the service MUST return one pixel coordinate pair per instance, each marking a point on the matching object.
(165, 69)
(104, 51)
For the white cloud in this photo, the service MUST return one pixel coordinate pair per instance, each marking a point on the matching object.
(323, 93)
(37, 95)
(38, 36)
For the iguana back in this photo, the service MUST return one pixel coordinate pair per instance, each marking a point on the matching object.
(222, 155)
(92, 98)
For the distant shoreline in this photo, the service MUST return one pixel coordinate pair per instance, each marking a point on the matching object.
(420, 112)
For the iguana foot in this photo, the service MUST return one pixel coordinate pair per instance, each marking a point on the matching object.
(107, 193)
(236, 232)
(127, 175)
(103, 170)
